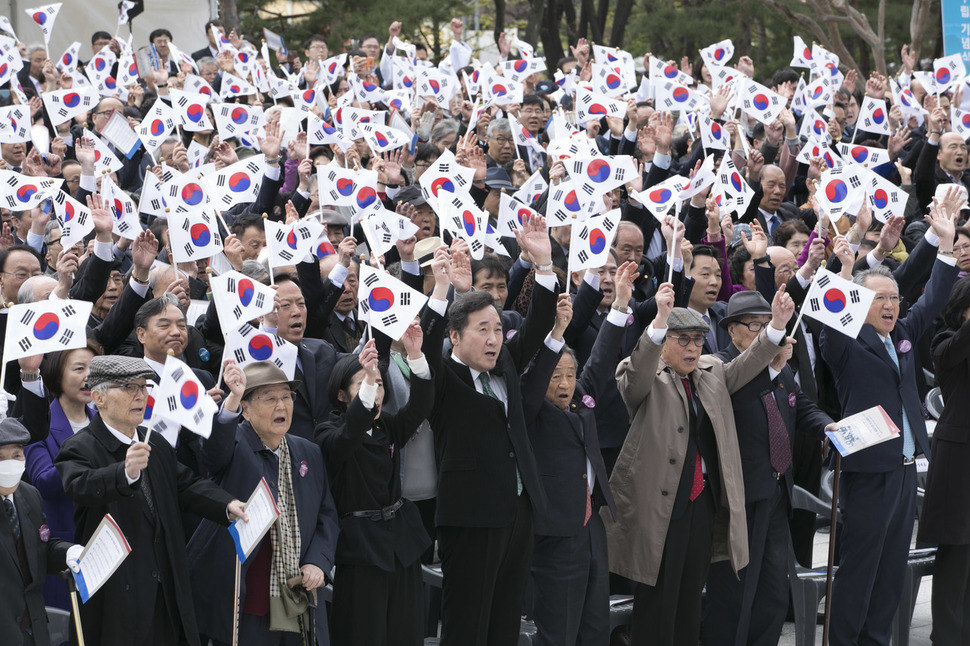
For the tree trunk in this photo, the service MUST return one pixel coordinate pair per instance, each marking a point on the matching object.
(499, 19)
(595, 27)
(536, 11)
(602, 14)
(621, 16)
(229, 14)
(549, 31)
(917, 26)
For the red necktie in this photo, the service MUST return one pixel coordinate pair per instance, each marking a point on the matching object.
(779, 449)
(589, 506)
(698, 485)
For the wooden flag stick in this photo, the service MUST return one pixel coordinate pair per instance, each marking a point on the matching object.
(801, 310)
(76, 610)
(830, 566)
(235, 601)
(670, 252)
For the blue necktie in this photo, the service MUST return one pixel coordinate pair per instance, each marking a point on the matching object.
(486, 380)
(909, 446)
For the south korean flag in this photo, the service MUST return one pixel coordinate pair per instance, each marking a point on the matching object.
(386, 303)
(382, 139)
(233, 86)
(336, 185)
(733, 185)
(460, 217)
(180, 398)
(661, 198)
(152, 200)
(760, 103)
(840, 191)
(532, 189)
(69, 59)
(662, 71)
(885, 198)
(439, 86)
(512, 215)
(443, 179)
(239, 299)
(44, 18)
(595, 176)
(863, 155)
(22, 193)
(566, 204)
(719, 53)
(590, 241)
(15, 124)
(198, 85)
(124, 215)
(949, 71)
(674, 97)
(321, 133)
(873, 116)
(235, 119)
(156, 126)
(713, 136)
(237, 183)
(190, 108)
(246, 345)
(289, 244)
(838, 303)
(384, 228)
(44, 327)
(590, 105)
(523, 68)
(75, 219)
(194, 235)
(105, 161)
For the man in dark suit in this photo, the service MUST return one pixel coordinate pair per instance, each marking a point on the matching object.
(772, 209)
(212, 49)
(704, 286)
(767, 412)
(878, 493)
(238, 454)
(530, 116)
(25, 538)
(488, 477)
(106, 469)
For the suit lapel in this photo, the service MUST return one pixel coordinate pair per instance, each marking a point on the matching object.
(875, 345)
(6, 539)
(29, 533)
(309, 384)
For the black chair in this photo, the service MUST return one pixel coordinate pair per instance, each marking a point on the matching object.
(920, 563)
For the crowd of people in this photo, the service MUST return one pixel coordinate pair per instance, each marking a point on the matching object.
(608, 389)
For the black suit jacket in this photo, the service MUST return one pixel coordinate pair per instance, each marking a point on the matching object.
(310, 404)
(751, 420)
(43, 558)
(565, 439)
(91, 464)
(478, 445)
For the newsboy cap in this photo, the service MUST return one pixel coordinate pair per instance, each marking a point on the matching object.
(682, 319)
(117, 369)
(13, 432)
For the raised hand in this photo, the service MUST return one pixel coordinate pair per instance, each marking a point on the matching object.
(533, 238)
(564, 314)
(412, 339)
(665, 304)
(782, 308)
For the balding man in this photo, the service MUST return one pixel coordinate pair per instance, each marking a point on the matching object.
(36, 288)
(629, 245)
(772, 209)
(942, 160)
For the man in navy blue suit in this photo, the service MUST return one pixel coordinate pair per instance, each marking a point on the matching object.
(878, 492)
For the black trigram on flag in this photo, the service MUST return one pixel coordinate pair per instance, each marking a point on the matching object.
(170, 400)
(854, 181)
(854, 296)
(123, 226)
(27, 317)
(619, 174)
(252, 167)
(286, 255)
(475, 245)
(239, 355)
(445, 168)
(279, 235)
(182, 101)
(260, 299)
(63, 112)
(221, 181)
(24, 344)
(390, 319)
(66, 337)
(404, 299)
(304, 233)
(608, 224)
(237, 311)
(12, 182)
(177, 374)
(188, 248)
(588, 189)
(156, 204)
(845, 320)
(371, 279)
(68, 310)
(198, 415)
(823, 281)
(586, 100)
(813, 303)
(582, 256)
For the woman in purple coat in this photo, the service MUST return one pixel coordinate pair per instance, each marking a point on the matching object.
(65, 375)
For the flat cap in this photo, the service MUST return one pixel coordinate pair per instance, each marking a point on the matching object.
(117, 369)
(682, 319)
(13, 432)
(411, 195)
(746, 302)
(265, 373)
(496, 177)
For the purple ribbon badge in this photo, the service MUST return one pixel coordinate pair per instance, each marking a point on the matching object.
(45, 533)
(791, 400)
(629, 320)
(510, 334)
(904, 346)
(303, 469)
(589, 402)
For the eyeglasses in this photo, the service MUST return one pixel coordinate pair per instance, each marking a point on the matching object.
(273, 401)
(54, 241)
(530, 111)
(882, 298)
(786, 270)
(21, 275)
(685, 340)
(133, 390)
(964, 248)
(753, 326)
(505, 141)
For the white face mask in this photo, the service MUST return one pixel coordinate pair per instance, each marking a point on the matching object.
(10, 472)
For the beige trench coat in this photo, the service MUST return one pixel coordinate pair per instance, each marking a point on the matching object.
(647, 472)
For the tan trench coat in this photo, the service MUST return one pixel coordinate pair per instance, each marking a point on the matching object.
(647, 472)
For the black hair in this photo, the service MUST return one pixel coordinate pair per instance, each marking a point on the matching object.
(784, 75)
(565, 59)
(159, 32)
(213, 23)
(100, 35)
(246, 220)
(736, 265)
(466, 305)
(315, 38)
(341, 376)
(52, 369)
(957, 304)
(368, 37)
(284, 278)
(426, 153)
(704, 250)
(533, 99)
(490, 264)
(18, 247)
(784, 231)
(153, 308)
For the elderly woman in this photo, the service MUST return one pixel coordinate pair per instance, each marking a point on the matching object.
(301, 543)
(946, 509)
(65, 374)
(377, 597)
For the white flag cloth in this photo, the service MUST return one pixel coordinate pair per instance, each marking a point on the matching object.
(156, 126)
(521, 69)
(180, 398)
(713, 136)
(44, 327)
(105, 161)
(802, 56)
(336, 185)
(523, 137)
(720, 53)
(838, 303)
(863, 155)
(64, 105)
(246, 345)
(384, 228)
(22, 193)
(289, 244)
(237, 183)
(382, 139)
(15, 124)
(703, 178)
(594, 176)
(239, 299)
(438, 85)
(760, 103)
(190, 108)
(525, 49)
(512, 214)
(674, 96)
(873, 116)
(75, 218)
(319, 133)
(123, 212)
(590, 241)
(590, 105)
(233, 119)
(733, 185)
(194, 235)
(198, 85)
(818, 93)
(44, 18)
(839, 190)
(885, 198)
(813, 149)
(186, 194)
(661, 198)
(461, 217)
(365, 91)
(815, 127)
(445, 177)
(233, 86)
(949, 71)
(661, 71)
(502, 91)
(386, 303)
(152, 199)
(532, 189)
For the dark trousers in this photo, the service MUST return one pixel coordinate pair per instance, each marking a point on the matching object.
(669, 613)
(372, 607)
(878, 512)
(484, 572)
(572, 595)
(751, 611)
(951, 596)
(254, 631)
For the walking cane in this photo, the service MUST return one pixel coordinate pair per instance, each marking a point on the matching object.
(235, 603)
(75, 607)
(831, 562)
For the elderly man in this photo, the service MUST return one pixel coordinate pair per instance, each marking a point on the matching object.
(239, 453)
(24, 534)
(501, 145)
(110, 468)
(680, 467)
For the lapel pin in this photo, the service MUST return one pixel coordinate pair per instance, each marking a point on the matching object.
(303, 469)
(45, 533)
(904, 346)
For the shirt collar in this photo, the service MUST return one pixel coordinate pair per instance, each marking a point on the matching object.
(121, 437)
(159, 368)
(474, 372)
